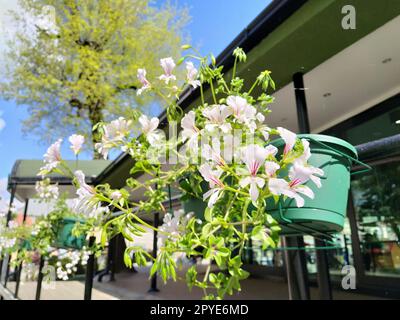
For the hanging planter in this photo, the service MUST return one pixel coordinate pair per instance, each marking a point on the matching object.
(26, 244)
(65, 238)
(326, 212)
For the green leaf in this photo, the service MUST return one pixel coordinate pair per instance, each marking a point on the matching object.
(104, 236)
(191, 276)
(225, 252)
(127, 258)
(213, 278)
(213, 60)
(208, 214)
(126, 235)
(205, 231)
(153, 269)
(180, 61)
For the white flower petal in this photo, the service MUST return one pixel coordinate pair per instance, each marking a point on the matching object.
(289, 138)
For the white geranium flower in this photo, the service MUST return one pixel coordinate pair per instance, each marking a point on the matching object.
(190, 132)
(213, 154)
(271, 167)
(52, 157)
(254, 158)
(217, 115)
(216, 185)
(117, 129)
(86, 203)
(298, 175)
(289, 137)
(77, 142)
(45, 190)
(149, 128)
(306, 152)
(241, 109)
(192, 75)
(231, 147)
(114, 134)
(174, 225)
(116, 195)
(168, 65)
(299, 172)
(301, 162)
(141, 75)
(261, 127)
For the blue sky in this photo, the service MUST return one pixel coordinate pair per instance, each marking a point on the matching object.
(214, 24)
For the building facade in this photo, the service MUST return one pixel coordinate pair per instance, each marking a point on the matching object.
(348, 56)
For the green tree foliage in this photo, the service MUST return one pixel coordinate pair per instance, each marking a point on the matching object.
(73, 63)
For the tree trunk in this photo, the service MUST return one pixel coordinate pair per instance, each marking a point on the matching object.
(95, 116)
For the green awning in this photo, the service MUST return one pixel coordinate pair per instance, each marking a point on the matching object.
(24, 176)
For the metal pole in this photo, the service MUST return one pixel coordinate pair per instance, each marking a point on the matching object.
(11, 203)
(325, 290)
(89, 272)
(25, 210)
(301, 103)
(7, 271)
(18, 280)
(40, 279)
(113, 255)
(293, 289)
(153, 284)
(19, 270)
(296, 265)
(296, 269)
(7, 221)
(323, 276)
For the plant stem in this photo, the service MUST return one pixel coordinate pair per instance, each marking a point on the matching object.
(229, 206)
(252, 87)
(133, 215)
(244, 225)
(213, 92)
(202, 94)
(234, 71)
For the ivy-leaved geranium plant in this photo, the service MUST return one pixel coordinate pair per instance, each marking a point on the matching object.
(222, 155)
(45, 231)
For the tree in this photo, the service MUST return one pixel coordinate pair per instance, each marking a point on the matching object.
(74, 63)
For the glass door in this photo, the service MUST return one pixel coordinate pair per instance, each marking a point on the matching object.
(376, 198)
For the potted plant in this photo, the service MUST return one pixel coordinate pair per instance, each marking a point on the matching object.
(324, 213)
(229, 166)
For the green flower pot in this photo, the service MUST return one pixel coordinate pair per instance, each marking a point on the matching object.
(65, 239)
(26, 244)
(326, 212)
(197, 206)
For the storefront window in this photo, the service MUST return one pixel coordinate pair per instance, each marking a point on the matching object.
(254, 254)
(377, 206)
(339, 251)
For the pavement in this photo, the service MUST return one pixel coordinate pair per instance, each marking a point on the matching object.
(135, 286)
